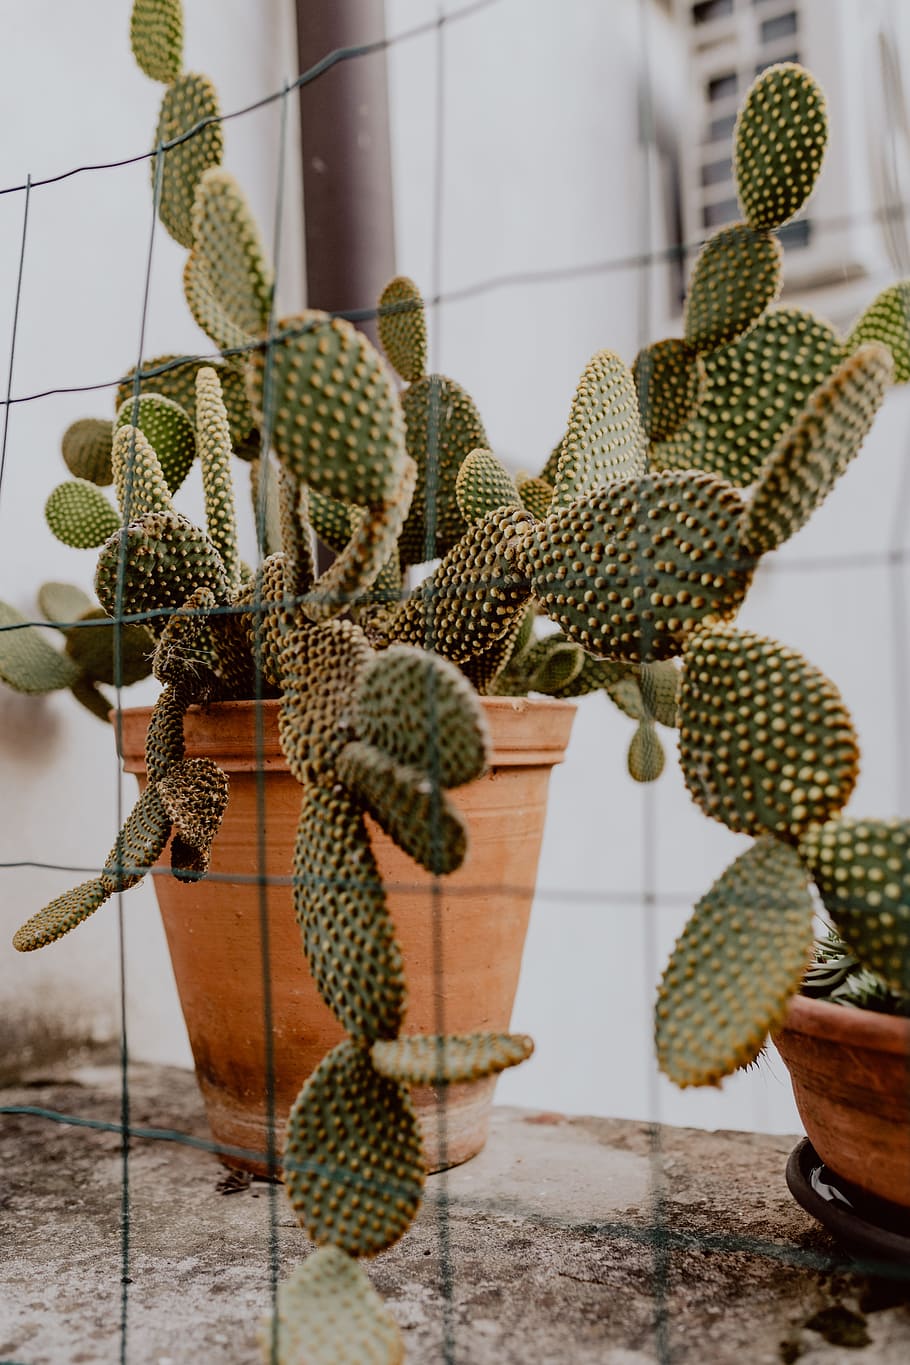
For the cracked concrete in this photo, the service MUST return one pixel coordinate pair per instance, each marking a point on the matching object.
(567, 1240)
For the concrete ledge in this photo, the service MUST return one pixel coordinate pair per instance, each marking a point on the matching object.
(567, 1241)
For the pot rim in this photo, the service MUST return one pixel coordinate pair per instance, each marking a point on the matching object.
(845, 1024)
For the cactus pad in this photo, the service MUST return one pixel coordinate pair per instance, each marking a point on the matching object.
(175, 377)
(628, 571)
(402, 327)
(191, 100)
(605, 439)
(536, 495)
(482, 485)
(63, 603)
(140, 842)
(779, 144)
(156, 37)
(327, 1311)
(659, 687)
(812, 455)
(754, 390)
(27, 662)
(194, 793)
(337, 423)
(168, 430)
(740, 958)
(646, 758)
(321, 669)
(227, 281)
(80, 515)
(552, 664)
(213, 437)
(443, 427)
(887, 319)
(62, 915)
(353, 1166)
(348, 936)
(87, 450)
(766, 743)
(412, 809)
(737, 275)
(446, 733)
(94, 647)
(165, 559)
(164, 741)
(862, 870)
(669, 381)
(139, 480)
(449, 1059)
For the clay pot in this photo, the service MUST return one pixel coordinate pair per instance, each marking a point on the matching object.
(850, 1071)
(465, 932)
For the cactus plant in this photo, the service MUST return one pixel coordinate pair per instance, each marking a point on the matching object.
(634, 541)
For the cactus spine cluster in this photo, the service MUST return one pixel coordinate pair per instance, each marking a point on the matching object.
(636, 543)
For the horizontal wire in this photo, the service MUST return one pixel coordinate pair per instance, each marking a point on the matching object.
(331, 59)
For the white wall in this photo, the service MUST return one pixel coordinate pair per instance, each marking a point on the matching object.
(541, 171)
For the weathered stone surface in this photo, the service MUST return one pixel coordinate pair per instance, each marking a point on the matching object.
(549, 1250)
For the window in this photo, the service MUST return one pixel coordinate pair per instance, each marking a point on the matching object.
(784, 26)
(717, 172)
(721, 87)
(706, 10)
(721, 128)
(715, 215)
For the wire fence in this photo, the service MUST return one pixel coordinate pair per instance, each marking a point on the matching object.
(644, 899)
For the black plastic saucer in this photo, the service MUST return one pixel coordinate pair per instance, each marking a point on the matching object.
(867, 1228)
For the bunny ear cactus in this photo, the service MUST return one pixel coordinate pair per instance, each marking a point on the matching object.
(87, 450)
(190, 120)
(227, 280)
(156, 37)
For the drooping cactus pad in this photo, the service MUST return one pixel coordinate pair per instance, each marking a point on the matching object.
(754, 390)
(62, 915)
(810, 458)
(329, 1312)
(140, 842)
(659, 687)
(191, 100)
(669, 381)
(449, 1059)
(482, 486)
(443, 427)
(887, 319)
(87, 449)
(737, 275)
(862, 870)
(403, 328)
(446, 734)
(27, 662)
(321, 668)
(156, 37)
(353, 1166)
(194, 793)
(740, 958)
(604, 439)
(167, 428)
(646, 757)
(628, 571)
(766, 743)
(779, 144)
(80, 515)
(228, 281)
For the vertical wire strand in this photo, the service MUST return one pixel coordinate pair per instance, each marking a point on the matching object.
(660, 1254)
(12, 348)
(268, 410)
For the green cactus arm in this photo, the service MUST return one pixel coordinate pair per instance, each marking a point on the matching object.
(402, 327)
(787, 760)
(87, 450)
(327, 1311)
(446, 732)
(27, 662)
(443, 426)
(862, 871)
(353, 1166)
(659, 687)
(348, 936)
(605, 440)
(739, 959)
(104, 655)
(669, 382)
(79, 514)
(63, 914)
(754, 390)
(186, 653)
(140, 842)
(164, 740)
(629, 571)
(89, 694)
(449, 1059)
(482, 485)
(214, 440)
(63, 603)
(645, 759)
(251, 640)
(536, 496)
(164, 560)
(552, 665)
(156, 37)
(189, 101)
(296, 535)
(887, 320)
(168, 429)
(487, 672)
(809, 459)
(174, 376)
(737, 275)
(474, 597)
(139, 480)
(333, 521)
(194, 793)
(408, 805)
(779, 144)
(321, 669)
(266, 499)
(227, 281)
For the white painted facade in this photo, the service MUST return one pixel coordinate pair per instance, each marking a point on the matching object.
(542, 172)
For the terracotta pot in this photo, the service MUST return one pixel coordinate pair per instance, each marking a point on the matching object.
(850, 1071)
(474, 921)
